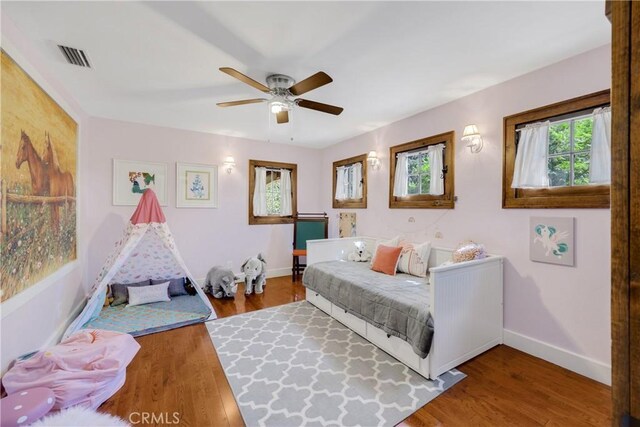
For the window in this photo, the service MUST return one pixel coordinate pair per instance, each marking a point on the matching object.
(422, 173)
(272, 192)
(559, 156)
(569, 152)
(419, 173)
(350, 183)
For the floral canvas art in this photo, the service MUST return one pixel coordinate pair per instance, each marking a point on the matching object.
(551, 240)
(38, 157)
(347, 225)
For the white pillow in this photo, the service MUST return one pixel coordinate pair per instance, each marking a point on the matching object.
(414, 259)
(391, 242)
(148, 294)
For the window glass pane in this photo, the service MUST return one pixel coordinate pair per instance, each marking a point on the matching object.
(581, 165)
(425, 167)
(273, 193)
(559, 138)
(582, 134)
(559, 170)
(424, 181)
(413, 184)
(413, 164)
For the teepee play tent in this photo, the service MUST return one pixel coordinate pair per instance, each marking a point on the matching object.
(147, 251)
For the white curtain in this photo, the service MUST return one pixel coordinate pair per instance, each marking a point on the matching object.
(531, 170)
(285, 192)
(600, 171)
(357, 181)
(401, 177)
(341, 183)
(436, 162)
(260, 193)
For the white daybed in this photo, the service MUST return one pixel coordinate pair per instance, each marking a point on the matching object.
(465, 305)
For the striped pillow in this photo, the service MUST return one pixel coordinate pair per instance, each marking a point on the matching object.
(414, 259)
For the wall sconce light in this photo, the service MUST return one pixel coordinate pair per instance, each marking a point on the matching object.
(472, 137)
(373, 160)
(229, 163)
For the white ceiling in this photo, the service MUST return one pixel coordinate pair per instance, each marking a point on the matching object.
(157, 62)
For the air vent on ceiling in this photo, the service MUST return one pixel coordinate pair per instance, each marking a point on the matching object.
(75, 56)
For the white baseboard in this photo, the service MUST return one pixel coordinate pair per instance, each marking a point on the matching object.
(279, 272)
(578, 363)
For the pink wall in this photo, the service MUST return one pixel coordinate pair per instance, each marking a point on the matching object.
(37, 316)
(560, 306)
(205, 237)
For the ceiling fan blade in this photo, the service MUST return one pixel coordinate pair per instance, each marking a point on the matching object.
(282, 117)
(310, 83)
(245, 79)
(318, 106)
(243, 102)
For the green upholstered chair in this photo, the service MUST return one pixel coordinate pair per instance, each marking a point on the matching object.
(306, 226)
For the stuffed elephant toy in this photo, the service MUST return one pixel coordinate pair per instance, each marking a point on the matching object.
(255, 274)
(221, 283)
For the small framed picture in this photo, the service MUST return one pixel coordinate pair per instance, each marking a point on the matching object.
(131, 178)
(196, 185)
(551, 240)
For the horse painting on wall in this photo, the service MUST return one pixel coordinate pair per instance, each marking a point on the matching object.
(38, 182)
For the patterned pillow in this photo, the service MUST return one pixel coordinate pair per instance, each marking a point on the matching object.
(414, 259)
(120, 294)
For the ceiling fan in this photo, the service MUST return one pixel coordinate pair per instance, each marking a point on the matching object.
(282, 90)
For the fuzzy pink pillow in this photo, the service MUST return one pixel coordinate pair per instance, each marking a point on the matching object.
(386, 259)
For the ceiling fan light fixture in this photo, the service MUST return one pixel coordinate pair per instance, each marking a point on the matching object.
(278, 107)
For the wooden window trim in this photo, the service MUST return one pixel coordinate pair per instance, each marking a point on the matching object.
(259, 220)
(587, 196)
(425, 201)
(351, 203)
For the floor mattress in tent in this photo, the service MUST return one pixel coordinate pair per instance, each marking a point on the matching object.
(150, 318)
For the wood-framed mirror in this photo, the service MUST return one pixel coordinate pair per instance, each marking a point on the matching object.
(350, 183)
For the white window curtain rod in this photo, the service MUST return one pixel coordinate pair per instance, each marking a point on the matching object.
(420, 151)
(276, 169)
(582, 116)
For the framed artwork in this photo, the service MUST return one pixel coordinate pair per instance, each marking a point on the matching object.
(196, 185)
(347, 225)
(131, 178)
(38, 178)
(551, 240)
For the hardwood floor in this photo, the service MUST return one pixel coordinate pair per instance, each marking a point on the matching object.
(179, 372)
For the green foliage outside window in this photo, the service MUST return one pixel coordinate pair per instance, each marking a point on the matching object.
(569, 152)
(273, 193)
(419, 174)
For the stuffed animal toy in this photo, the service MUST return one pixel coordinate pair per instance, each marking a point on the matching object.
(360, 253)
(221, 283)
(255, 274)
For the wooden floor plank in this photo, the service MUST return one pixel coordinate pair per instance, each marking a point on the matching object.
(179, 371)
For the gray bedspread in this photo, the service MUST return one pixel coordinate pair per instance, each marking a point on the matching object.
(399, 304)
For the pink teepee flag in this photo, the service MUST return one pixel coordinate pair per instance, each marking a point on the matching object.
(148, 209)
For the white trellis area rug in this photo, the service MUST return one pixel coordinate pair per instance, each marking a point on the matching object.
(294, 365)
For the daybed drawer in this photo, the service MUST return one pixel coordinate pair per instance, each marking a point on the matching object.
(319, 301)
(349, 320)
(398, 348)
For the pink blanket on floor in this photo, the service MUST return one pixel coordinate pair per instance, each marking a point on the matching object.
(85, 369)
